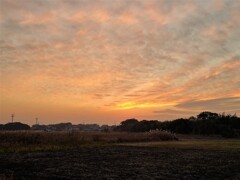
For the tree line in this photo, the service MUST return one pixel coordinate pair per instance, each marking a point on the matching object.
(205, 123)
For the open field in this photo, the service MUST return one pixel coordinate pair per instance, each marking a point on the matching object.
(122, 162)
(31, 140)
(188, 158)
(204, 144)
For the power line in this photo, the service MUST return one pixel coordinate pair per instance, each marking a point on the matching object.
(12, 116)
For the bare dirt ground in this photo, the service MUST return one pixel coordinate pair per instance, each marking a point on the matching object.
(122, 162)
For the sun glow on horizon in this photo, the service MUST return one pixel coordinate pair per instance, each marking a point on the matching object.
(131, 105)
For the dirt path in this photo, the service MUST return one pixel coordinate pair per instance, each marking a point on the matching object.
(122, 162)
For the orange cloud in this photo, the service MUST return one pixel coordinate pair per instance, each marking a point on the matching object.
(224, 67)
(101, 16)
(96, 15)
(78, 17)
(158, 16)
(218, 5)
(162, 17)
(127, 18)
(34, 19)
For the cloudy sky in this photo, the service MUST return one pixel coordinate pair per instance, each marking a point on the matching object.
(103, 61)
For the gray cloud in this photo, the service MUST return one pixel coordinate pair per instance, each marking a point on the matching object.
(220, 104)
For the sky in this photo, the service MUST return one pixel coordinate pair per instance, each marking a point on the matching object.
(103, 61)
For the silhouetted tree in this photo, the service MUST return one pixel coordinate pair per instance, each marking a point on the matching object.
(207, 115)
(127, 125)
(16, 126)
(192, 118)
(183, 126)
(206, 123)
(144, 126)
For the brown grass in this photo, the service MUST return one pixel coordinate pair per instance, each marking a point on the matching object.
(205, 143)
(32, 140)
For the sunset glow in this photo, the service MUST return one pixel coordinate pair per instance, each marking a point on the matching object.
(130, 105)
(106, 60)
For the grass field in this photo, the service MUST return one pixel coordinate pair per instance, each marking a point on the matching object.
(136, 158)
(189, 143)
(34, 141)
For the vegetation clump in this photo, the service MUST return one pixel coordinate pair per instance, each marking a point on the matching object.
(14, 126)
(206, 123)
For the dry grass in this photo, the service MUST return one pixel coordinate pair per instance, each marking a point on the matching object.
(191, 143)
(32, 140)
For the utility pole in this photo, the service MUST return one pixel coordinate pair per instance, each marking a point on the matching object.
(36, 120)
(12, 117)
